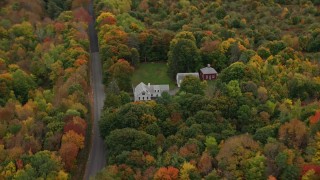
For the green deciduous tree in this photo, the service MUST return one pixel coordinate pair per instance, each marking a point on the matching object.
(191, 84)
(235, 71)
(22, 84)
(121, 72)
(183, 56)
(128, 139)
(255, 167)
(233, 89)
(44, 163)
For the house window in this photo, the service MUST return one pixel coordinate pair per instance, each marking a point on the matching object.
(143, 93)
(139, 98)
(151, 94)
(142, 98)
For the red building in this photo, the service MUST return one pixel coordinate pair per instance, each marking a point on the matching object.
(208, 73)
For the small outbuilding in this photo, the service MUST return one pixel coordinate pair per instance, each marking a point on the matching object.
(208, 73)
(143, 92)
(181, 76)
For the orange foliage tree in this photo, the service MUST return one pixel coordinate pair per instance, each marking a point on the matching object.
(73, 137)
(169, 173)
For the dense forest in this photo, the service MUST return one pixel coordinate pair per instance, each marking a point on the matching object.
(259, 120)
(43, 89)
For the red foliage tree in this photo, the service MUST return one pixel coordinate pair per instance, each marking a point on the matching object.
(148, 173)
(109, 20)
(80, 14)
(75, 127)
(80, 62)
(19, 164)
(189, 151)
(77, 124)
(205, 165)
(68, 153)
(176, 117)
(80, 121)
(314, 119)
(59, 27)
(305, 168)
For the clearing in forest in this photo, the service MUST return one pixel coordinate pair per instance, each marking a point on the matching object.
(153, 73)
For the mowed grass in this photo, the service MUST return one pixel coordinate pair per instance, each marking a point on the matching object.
(153, 73)
(211, 88)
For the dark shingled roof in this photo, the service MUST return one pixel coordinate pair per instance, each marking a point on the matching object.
(208, 70)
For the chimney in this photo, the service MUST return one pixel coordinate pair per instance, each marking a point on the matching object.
(209, 65)
(148, 84)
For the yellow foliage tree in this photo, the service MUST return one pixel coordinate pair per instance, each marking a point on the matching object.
(62, 175)
(185, 170)
(9, 170)
(316, 157)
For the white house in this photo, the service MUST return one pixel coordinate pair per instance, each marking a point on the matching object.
(143, 92)
(181, 76)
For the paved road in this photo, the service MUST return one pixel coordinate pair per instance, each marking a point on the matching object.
(97, 156)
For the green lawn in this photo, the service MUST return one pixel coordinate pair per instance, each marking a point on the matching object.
(211, 88)
(153, 73)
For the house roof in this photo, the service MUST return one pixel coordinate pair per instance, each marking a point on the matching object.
(164, 87)
(208, 70)
(150, 88)
(140, 88)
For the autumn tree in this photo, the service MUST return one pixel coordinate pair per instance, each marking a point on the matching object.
(169, 173)
(77, 125)
(205, 163)
(106, 18)
(188, 171)
(73, 137)
(68, 153)
(235, 154)
(316, 157)
(294, 134)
